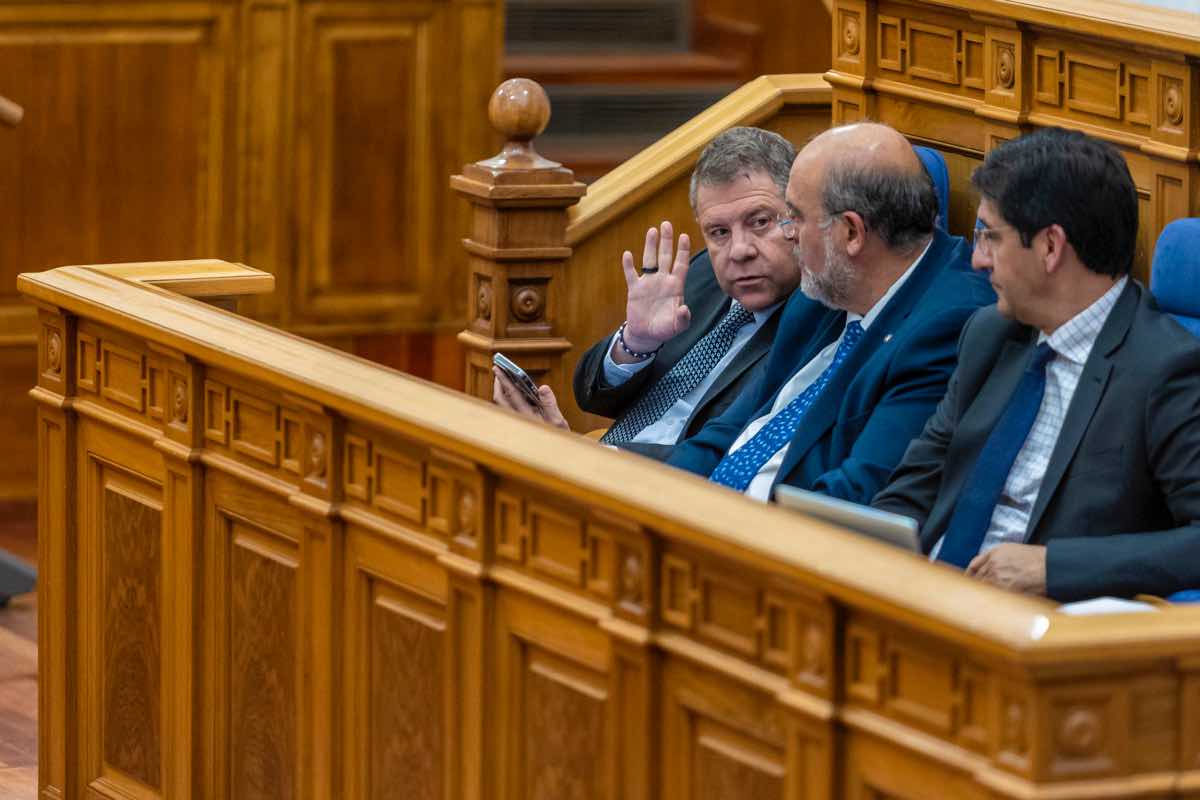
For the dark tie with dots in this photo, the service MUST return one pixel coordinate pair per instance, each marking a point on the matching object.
(686, 375)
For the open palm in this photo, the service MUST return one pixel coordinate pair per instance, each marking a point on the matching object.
(654, 308)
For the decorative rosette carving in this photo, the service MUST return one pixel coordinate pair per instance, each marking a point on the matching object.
(527, 304)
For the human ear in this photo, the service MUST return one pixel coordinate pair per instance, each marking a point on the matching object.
(856, 233)
(1053, 247)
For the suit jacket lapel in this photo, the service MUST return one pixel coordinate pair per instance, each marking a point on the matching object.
(824, 412)
(1088, 392)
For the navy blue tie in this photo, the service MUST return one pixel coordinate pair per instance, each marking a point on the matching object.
(737, 469)
(973, 514)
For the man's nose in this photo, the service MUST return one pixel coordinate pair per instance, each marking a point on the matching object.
(979, 260)
(744, 247)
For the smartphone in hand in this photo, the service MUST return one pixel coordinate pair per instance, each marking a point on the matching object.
(520, 378)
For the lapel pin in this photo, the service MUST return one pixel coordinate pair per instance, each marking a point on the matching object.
(887, 338)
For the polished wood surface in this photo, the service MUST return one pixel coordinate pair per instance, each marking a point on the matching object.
(966, 76)
(351, 583)
(312, 139)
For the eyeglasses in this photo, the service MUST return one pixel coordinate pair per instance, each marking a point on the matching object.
(787, 224)
(985, 239)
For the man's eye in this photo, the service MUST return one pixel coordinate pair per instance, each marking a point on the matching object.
(718, 233)
(760, 222)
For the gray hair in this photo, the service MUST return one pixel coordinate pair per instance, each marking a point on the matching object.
(739, 150)
(899, 205)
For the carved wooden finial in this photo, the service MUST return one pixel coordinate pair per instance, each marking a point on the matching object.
(11, 113)
(519, 110)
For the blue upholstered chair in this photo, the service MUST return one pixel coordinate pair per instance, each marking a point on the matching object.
(935, 165)
(1175, 284)
(1175, 274)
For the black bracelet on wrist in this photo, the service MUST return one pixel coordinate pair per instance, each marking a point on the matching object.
(625, 347)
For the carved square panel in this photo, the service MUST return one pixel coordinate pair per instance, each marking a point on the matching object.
(920, 685)
(849, 33)
(179, 401)
(814, 652)
(1004, 67)
(891, 43)
(728, 613)
(973, 61)
(778, 633)
(863, 662)
(678, 592)
(598, 561)
(1172, 104)
(974, 706)
(1093, 85)
(933, 53)
(1139, 100)
(556, 543)
(88, 362)
(357, 468)
(1047, 76)
(293, 442)
(255, 427)
(1015, 721)
(216, 417)
(1089, 730)
(155, 390)
(122, 376)
(510, 527)
(400, 484)
(1190, 740)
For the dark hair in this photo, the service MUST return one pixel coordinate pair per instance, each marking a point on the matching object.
(1055, 176)
(740, 150)
(900, 205)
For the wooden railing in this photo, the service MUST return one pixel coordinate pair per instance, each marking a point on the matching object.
(577, 288)
(272, 570)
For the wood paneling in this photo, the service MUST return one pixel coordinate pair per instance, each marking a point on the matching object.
(501, 629)
(132, 532)
(313, 139)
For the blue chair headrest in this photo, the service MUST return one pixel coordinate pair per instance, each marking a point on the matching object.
(935, 165)
(1175, 273)
(1186, 596)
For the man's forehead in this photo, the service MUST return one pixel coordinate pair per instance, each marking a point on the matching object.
(737, 196)
(987, 214)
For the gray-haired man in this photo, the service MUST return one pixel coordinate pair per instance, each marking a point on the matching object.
(693, 331)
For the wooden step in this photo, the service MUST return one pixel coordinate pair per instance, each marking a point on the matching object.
(661, 68)
(575, 25)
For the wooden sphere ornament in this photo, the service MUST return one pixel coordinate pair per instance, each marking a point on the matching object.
(519, 110)
(11, 113)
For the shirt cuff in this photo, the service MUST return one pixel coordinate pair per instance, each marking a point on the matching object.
(616, 374)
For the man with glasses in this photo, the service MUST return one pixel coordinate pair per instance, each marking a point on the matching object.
(834, 410)
(1065, 457)
(694, 327)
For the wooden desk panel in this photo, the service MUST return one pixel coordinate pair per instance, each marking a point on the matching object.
(272, 570)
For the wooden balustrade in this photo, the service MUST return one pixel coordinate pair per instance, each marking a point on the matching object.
(271, 570)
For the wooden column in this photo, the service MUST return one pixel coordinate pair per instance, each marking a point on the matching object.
(517, 247)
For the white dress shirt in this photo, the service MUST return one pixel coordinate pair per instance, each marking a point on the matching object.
(669, 427)
(760, 486)
(1072, 343)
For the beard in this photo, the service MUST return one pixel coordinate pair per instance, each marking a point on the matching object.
(832, 286)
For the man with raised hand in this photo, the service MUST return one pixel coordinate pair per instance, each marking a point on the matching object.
(834, 410)
(695, 327)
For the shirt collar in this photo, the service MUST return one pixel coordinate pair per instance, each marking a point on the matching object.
(877, 309)
(762, 316)
(1073, 339)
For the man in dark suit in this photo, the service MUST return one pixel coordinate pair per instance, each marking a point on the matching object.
(1065, 457)
(834, 412)
(694, 330)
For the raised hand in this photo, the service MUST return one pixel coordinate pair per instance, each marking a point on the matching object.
(654, 308)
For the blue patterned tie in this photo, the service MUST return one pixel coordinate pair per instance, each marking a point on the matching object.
(686, 375)
(973, 513)
(738, 468)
